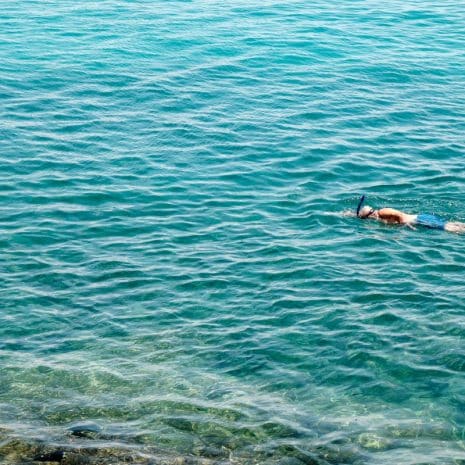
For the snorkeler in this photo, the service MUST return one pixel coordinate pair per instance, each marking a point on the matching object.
(392, 216)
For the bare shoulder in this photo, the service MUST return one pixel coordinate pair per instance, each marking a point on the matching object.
(391, 215)
(390, 211)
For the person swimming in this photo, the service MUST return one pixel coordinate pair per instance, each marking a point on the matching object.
(393, 216)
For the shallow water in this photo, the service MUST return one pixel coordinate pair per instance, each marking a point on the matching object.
(175, 261)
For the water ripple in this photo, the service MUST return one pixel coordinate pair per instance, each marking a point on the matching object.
(176, 264)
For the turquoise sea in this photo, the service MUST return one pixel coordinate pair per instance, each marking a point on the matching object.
(179, 280)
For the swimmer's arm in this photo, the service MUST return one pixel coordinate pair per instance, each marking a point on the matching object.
(390, 215)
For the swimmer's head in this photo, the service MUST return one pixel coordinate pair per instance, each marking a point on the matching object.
(367, 212)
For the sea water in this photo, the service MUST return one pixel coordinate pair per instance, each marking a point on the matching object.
(176, 266)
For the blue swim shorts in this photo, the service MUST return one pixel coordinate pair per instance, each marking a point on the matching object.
(430, 221)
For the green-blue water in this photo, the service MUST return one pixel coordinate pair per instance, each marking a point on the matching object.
(175, 265)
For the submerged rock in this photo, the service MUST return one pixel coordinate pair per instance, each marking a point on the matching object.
(85, 430)
(54, 456)
(14, 450)
(372, 441)
(290, 461)
(209, 452)
(76, 459)
(289, 451)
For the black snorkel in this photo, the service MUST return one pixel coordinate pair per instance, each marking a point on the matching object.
(360, 204)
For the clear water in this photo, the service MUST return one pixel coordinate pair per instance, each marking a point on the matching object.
(174, 262)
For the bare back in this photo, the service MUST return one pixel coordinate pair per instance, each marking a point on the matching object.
(393, 216)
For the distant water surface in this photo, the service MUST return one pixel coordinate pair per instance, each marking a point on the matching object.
(175, 265)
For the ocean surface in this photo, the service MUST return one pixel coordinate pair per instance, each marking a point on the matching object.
(180, 280)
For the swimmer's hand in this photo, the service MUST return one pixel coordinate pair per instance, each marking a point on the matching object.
(348, 213)
(410, 226)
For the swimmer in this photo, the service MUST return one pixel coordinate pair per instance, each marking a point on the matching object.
(393, 216)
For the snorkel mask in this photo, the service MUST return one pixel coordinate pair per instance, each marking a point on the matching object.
(364, 212)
